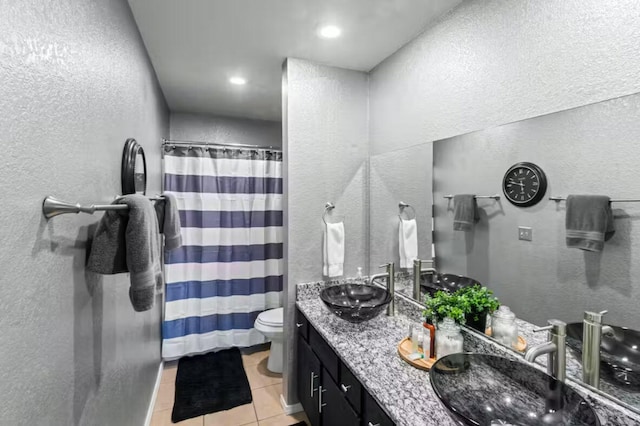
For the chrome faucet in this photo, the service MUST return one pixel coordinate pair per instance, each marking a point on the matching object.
(417, 273)
(555, 349)
(391, 284)
(591, 340)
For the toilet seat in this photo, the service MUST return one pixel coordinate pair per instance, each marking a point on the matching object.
(271, 318)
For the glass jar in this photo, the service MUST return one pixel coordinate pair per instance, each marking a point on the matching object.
(449, 340)
(503, 326)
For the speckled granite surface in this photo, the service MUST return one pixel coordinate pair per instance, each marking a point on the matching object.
(369, 350)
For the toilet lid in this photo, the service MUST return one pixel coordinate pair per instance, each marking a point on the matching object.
(272, 317)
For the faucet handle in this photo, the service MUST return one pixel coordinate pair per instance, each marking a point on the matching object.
(390, 266)
(545, 328)
(555, 326)
(594, 316)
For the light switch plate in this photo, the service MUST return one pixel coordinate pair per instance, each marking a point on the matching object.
(525, 233)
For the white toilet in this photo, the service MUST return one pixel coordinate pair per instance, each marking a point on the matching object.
(269, 323)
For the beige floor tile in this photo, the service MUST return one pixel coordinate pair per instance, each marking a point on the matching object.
(284, 420)
(259, 376)
(169, 372)
(163, 418)
(254, 354)
(242, 415)
(166, 394)
(267, 401)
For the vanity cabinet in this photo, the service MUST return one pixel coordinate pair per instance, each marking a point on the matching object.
(328, 391)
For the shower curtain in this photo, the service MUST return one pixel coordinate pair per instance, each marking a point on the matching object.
(229, 268)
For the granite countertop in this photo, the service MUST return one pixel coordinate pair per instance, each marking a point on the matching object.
(370, 351)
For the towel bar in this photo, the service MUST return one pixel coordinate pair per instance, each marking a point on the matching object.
(494, 197)
(621, 200)
(53, 207)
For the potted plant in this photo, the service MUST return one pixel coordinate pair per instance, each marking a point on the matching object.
(468, 305)
(479, 302)
(444, 304)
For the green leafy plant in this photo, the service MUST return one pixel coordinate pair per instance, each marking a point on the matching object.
(479, 300)
(466, 303)
(443, 304)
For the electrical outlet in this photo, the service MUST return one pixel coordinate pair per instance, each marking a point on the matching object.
(525, 233)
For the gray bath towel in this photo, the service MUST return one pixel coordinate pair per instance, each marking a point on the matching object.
(465, 212)
(589, 221)
(169, 221)
(128, 241)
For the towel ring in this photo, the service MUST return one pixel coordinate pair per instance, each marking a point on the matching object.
(327, 208)
(402, 206)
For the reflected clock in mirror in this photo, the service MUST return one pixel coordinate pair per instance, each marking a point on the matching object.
(524, 184)
(134, 168)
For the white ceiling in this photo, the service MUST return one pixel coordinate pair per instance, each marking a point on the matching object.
(196, 45)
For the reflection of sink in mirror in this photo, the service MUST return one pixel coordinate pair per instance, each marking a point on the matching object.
(480, 389)
(619, 355)
(355, 302)
(448, 282)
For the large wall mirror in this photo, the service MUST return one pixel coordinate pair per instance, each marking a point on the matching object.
(594, 149)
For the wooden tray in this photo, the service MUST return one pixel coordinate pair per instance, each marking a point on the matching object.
(520, 347)
(405, 349)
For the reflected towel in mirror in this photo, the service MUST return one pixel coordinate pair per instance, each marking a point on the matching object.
(465, 212)
(333, 248)
(589, 221)
(408, 242)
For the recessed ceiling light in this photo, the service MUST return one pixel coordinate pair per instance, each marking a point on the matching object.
(330, 31)
(238, 81)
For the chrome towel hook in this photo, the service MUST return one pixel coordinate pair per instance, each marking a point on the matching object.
(327, 208)
(402, 206)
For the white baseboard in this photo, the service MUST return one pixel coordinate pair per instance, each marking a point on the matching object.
(290, 409)
(154, 395)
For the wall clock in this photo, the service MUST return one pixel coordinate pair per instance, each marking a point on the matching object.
(524, 184)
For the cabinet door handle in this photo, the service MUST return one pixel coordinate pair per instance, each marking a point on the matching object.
(299, 324)
(345, 389)
(320, 404)
(371, 424)
(313, 378)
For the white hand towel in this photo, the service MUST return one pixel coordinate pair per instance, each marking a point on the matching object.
(333, 250)
(408, 243)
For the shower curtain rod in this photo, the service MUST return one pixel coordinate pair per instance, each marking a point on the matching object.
(206, 144)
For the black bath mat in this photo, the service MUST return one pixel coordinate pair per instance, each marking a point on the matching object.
(209, 383)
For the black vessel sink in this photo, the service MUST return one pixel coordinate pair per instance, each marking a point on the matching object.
(619, 355)
(355, 302)
(480, 389)
(448, 282)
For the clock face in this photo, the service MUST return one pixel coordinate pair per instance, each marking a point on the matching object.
(524, 184)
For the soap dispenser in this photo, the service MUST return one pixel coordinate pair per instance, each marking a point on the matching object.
(359, 276)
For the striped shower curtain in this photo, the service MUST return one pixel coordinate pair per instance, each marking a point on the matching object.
(229, 268)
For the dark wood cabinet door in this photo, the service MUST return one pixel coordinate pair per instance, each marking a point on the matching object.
(309, 371)
(335, 410)
(372, 414)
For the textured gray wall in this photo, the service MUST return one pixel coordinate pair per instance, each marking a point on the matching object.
(587, 150)
(402, 175)
(76, 83)
(206, 128)
(491, 62)
(326, 150)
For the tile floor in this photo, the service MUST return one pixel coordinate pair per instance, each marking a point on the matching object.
(265, 410)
